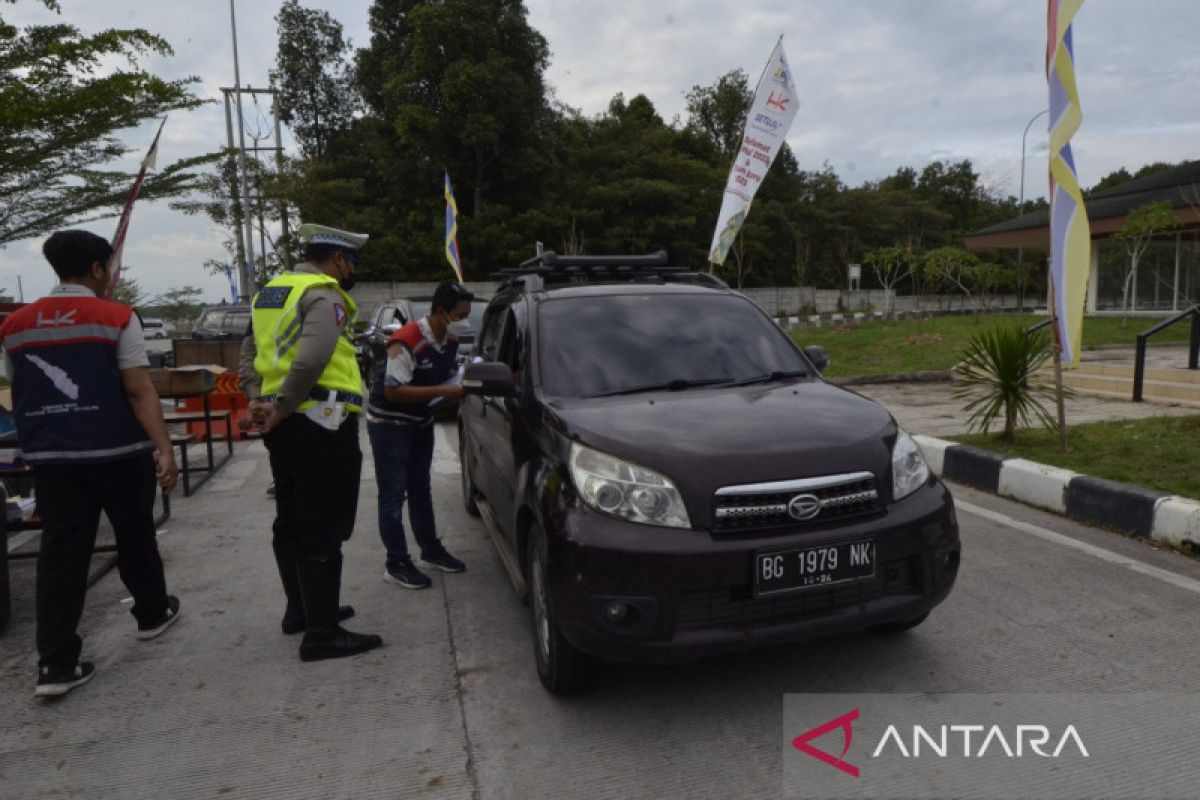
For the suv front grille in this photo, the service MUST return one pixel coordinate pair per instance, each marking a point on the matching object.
(754, 507)
(737, 606)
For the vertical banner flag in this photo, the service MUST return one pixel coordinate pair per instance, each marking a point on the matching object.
(767, 124)
(1070, 234)
(118, 242)
(452, 230)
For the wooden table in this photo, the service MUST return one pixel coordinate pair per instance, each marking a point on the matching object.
(212, 464)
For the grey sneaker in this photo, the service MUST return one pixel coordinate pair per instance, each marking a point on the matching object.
(57, 681)
(171, 614)
(408, 576)
(440, 559)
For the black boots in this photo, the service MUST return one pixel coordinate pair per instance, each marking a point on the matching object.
(320, 584)
(293, 617)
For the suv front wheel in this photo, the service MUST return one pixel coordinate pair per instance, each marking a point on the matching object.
(469, 492)
(561, 667)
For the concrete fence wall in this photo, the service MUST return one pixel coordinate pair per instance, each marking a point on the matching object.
(776, 301)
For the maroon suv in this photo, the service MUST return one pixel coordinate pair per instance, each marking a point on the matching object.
(667, 476)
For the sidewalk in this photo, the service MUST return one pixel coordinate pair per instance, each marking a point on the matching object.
(929, 410)
(220, 705)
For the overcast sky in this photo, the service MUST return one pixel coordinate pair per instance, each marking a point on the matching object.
(882, 84)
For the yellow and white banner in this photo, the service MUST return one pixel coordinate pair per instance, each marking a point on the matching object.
(771, 114)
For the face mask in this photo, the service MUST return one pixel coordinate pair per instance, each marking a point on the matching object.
(458, 327)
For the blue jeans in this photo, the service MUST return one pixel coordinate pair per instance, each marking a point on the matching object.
(403, 457)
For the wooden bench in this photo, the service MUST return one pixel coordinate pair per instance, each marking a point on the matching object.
(182, 440)
(16, 526)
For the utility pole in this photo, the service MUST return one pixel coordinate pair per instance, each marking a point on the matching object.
(241, 242)
(247, 266)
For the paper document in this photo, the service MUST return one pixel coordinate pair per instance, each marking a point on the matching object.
(453, 380)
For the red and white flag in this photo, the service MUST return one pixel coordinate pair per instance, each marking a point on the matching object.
(118, 242)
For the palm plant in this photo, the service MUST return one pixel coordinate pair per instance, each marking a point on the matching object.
(995, 376)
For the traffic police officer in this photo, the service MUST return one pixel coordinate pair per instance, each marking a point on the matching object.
(298, 368)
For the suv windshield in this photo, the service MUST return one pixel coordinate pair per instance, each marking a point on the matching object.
(594, 346)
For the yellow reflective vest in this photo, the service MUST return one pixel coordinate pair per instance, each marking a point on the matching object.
(277, 324)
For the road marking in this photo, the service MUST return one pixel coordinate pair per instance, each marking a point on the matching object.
(1163, 575)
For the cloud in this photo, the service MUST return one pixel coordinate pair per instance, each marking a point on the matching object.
(882, 85)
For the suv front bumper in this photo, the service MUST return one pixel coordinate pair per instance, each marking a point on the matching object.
(630, 592)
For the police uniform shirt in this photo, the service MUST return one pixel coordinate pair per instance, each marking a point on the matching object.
(131, 347)
(322, 325)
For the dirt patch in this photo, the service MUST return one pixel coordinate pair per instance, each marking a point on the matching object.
(923, 338)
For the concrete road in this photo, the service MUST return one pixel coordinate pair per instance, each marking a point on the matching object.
(451, 707)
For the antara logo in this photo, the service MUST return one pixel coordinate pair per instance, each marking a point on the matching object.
(846, 723)
(1024, 740)
(779, 102)
(59, 319)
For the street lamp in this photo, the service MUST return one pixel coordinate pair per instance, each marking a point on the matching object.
(1021, 207)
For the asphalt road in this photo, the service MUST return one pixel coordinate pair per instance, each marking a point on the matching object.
(451, 705)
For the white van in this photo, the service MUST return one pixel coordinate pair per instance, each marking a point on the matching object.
(154, 328)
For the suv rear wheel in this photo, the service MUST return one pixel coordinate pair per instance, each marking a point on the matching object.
(561, 667)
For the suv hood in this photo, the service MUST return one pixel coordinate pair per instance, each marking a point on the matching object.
(703, 439)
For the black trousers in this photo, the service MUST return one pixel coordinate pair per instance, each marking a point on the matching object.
(69, 501)
(316, 473)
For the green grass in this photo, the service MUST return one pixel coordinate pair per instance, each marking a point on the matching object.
(1155, 453)
(880, 348)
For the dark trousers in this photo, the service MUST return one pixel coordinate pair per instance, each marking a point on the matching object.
(403, 456)
(69, 501)
(317, 474)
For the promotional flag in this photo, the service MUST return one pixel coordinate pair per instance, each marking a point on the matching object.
(118, 242)
(1070, 234)
(771, 114)
(452, 230)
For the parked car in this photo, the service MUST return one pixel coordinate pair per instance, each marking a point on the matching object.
(389, 316)
(222, 322)
(154, 328)
(667, 476)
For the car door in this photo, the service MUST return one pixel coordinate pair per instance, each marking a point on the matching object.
(502, 428)
(473, 411)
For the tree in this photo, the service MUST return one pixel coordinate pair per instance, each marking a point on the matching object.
(996, 377)
(60, 108)
(178, 305)
(954, 266)
(891, 265)
(128, 291)
(719, 111)
(317, 97)
(1143, 224)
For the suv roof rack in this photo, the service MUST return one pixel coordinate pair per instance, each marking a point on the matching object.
(550, 267)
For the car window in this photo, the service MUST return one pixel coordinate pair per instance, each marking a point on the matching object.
(509, 351)
(490, 327)
(590, 346)
(235, 322)
(211, 320)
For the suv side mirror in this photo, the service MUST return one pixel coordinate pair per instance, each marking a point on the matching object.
(489, 378)
(817, 355)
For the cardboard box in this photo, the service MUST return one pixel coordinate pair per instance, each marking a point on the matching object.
(182, 381)
(203, 352)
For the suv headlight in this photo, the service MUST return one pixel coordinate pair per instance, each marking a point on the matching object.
(625, 490)
(909, 470)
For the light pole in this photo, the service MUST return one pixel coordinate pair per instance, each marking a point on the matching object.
(1021, 210)
(247, 269)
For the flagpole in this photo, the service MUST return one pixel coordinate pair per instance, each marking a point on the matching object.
(1058, 375)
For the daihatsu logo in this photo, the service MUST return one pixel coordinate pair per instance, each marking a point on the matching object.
(804, 506)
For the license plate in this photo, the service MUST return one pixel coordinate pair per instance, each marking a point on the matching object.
(785, 570)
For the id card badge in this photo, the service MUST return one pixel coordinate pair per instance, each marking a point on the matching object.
(328, 413)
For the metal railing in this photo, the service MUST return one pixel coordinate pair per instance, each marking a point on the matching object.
(1139, 367)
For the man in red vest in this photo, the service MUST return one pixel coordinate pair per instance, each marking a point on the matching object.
(90, 424)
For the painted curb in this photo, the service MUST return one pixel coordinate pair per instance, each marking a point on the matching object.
(1177, 522)
(1037, 484)
(1133, 510)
